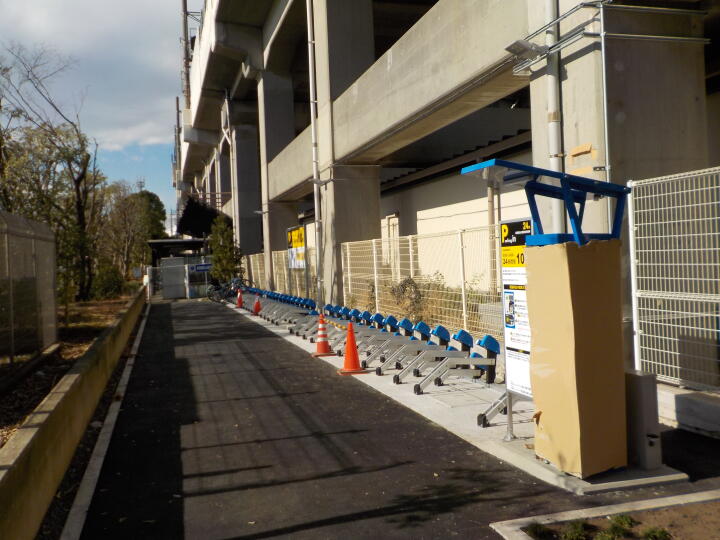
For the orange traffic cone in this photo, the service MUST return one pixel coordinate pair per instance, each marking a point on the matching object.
(323, 347)
(239, 299)
(352, 362)
(257, 307)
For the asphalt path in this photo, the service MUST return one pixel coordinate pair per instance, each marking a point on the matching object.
(229, 431)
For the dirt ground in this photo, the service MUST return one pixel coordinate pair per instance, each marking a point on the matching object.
(86, 321)
(700, 521)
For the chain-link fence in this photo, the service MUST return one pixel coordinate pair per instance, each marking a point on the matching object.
(447, 278)
(675, 252)
(27, 286)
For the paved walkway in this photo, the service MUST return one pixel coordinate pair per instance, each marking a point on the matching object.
(229, 431)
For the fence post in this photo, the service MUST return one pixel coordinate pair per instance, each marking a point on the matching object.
(348, 269)
(288, 273)
(11, 311)
(375, 273)
(412, 256)
(462, 279)
(633, 281)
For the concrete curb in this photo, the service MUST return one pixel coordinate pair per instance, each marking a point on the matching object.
(512, 529)
(34, 460)
(78, 513)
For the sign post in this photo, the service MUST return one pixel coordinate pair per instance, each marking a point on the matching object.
(516, 323)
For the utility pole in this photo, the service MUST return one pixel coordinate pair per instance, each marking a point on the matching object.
(186, 54)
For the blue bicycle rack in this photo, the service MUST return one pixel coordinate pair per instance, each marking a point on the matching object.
(573, 190)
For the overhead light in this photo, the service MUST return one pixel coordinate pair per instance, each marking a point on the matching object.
(525, 49)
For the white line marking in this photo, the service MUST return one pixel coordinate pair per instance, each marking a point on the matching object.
(78, 513)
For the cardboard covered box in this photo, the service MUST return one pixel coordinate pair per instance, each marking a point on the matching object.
(576, 366)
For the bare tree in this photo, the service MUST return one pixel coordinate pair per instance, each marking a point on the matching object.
(28, 109)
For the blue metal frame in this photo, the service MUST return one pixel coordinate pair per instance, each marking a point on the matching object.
(572, 190)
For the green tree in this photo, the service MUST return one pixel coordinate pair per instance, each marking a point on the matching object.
(226, 256)
(131, 219)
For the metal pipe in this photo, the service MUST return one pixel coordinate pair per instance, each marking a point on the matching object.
(651, 9)
(652, 37)
(633, 282)
(509, 433)
(315, 161)
(492, 228)
(555, 20)
(554, 110)
(463, 288)
(376, 277)
(606, 115)
(186, 54)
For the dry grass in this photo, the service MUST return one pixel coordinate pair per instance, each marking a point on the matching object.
(86, 321)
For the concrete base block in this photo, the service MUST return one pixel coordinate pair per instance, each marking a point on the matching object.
(688, 409)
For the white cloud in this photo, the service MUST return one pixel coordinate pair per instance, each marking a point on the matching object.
(127, 61)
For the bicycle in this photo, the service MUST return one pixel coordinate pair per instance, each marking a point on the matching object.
(219, 292)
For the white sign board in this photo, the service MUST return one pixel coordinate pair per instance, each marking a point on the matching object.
(515, 312)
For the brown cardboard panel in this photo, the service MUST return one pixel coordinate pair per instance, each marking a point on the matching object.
(576, 366)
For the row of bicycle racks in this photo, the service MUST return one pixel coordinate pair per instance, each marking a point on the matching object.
(386, 344)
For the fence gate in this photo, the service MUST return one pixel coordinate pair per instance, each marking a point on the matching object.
(675, 265)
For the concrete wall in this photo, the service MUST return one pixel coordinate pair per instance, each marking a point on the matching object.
(291, 167)
(451, 203)
(713, 109)
(34, 460)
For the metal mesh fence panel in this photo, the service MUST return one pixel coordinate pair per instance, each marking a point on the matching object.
(446, 278)
(6, 320)
(27, 286)
(257, 270)
(312, 272)
(675, 246)
(280, 271)
(44, 243)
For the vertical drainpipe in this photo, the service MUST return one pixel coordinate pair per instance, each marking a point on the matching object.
(315, 165)
(554, 110)
(606, 132)
(186, 54)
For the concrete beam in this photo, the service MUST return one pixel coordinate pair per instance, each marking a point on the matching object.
(239, 43)
(202, 137)
(394, 103)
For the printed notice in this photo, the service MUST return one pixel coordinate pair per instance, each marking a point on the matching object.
(515, 312)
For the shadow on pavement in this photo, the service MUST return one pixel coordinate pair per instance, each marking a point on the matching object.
(146, 446)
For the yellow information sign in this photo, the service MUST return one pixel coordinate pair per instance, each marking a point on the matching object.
(296, 247)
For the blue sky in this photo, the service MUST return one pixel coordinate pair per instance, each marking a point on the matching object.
(148, 161)
(124, 77)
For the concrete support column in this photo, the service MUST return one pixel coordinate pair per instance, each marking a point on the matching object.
(245, 169)
(344, 49)
(350, 205)
(655, 107)
(276, 122)
(351, 212)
